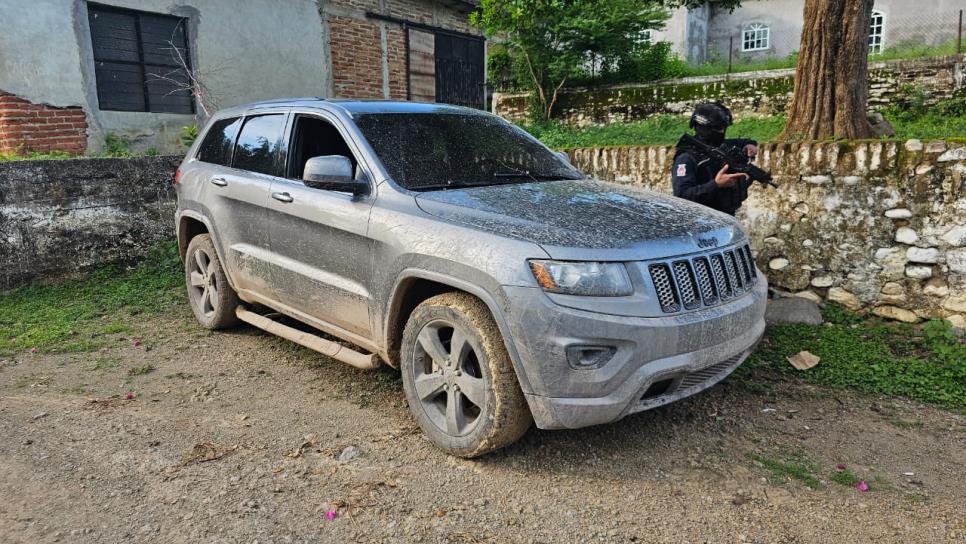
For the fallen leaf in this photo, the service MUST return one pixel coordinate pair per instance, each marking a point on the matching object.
(840, 467)
(803, 360)
(862, 486)
(129, 395)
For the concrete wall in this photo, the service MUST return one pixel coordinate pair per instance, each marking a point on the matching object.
(245, 50)
(877, 226)
(747, 94)
(61, 217)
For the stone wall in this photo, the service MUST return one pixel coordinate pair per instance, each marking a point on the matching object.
(748, 94)
(61, 217)
(877, 226)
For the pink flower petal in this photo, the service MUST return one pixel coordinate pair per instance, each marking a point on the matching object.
(129, 396)
(137, 343)
(862, 486)
(33, 350)
(840, 467)
(330, 515)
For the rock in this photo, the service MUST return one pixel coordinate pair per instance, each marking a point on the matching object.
(807, 243)
(808, 295)
(956, 259)
(772, 241)
(958, 322)
(880, 126)
(925, 169)
(927, 255)
(892, 288)
(905, 235)
(817, 180)
(955, 236)
(793, 310)
(348, 454)
(898, 213)
(785, 227)
(893, 262)
(919, 272)
(801, 208)
(914, 145)
(823, 281)
(936, 287)
(850, 180)
(958, 154)
(955, 304)
(845, 298)
(778, 264)
(892, 312)
(936, 146)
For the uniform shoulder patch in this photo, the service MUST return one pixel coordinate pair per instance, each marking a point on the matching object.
(682, 170)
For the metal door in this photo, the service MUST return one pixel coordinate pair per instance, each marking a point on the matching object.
(460, 70)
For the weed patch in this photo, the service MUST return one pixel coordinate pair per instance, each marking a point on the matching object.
(796, 469)
(925, 363)
(140, 370)
(78, 316)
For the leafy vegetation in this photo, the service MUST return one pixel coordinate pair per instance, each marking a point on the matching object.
(925, 363)
(188, 135)
(81, 315)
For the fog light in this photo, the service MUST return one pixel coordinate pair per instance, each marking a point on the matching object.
(589, 357)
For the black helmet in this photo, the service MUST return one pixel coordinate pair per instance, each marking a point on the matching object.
(712, 115)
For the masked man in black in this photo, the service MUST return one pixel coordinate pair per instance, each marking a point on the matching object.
(700, 179)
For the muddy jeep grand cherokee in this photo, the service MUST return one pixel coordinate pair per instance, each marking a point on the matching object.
(445, 242)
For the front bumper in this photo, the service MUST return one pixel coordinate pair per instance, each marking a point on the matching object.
(680, 355)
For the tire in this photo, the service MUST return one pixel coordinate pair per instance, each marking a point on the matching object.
(211, 297)
(473, 405)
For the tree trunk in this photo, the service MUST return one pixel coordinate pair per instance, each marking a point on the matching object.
(831, 79)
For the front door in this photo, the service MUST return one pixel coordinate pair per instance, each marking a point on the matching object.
(321, 252)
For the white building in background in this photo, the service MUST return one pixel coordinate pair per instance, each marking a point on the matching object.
(773, 28)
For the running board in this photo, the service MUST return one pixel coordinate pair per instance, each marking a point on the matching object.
(328, 348)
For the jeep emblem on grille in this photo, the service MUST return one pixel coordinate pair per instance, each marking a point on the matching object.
(708, 242)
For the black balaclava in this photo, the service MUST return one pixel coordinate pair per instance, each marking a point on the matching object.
(710, 120)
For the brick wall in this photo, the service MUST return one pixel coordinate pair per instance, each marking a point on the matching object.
(356, 42)
(27, 127)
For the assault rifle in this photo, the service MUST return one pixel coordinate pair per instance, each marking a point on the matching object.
(736, 159)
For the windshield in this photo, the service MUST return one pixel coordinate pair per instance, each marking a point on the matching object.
(424, 151)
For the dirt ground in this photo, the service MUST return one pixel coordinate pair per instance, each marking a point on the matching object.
(240, 437)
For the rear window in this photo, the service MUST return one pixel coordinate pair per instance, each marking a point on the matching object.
(216, 147)
(258, 142)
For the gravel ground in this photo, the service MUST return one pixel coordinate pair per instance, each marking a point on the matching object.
(240, 437)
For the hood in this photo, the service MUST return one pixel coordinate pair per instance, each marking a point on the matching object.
(586, 220)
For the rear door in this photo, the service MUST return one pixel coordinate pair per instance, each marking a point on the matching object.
(239, 200)
(322, 255)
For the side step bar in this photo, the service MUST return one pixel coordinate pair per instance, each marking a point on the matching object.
(329, 348)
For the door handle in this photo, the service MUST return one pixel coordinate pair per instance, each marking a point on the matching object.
(221, 182)
(282, 197)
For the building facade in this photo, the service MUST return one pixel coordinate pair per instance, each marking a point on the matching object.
(773, 28)
(74, 72)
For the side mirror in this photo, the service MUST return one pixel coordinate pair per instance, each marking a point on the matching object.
(331, 173)
(564, 156)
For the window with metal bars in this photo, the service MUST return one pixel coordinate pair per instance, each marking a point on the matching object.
(141, 60)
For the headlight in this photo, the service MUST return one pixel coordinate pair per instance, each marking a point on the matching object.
(582, 278)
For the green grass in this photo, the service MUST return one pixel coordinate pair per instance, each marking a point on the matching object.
(666, 129)
(845, 477)
(926, 364)
(140, 370)
(798, 468)
(80, 315)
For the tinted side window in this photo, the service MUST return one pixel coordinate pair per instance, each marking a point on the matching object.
(258, 143)
(216, 148)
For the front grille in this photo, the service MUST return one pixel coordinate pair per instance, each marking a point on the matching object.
(706, 280)
(700, 376)
(667, 294)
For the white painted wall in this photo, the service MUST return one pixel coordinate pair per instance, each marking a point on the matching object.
(246, 49)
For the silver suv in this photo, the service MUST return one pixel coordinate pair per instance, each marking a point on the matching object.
(450, 244)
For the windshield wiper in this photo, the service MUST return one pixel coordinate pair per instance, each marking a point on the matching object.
(453, 184)
(542, 177)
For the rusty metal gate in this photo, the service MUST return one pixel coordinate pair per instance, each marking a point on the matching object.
(460, 66)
